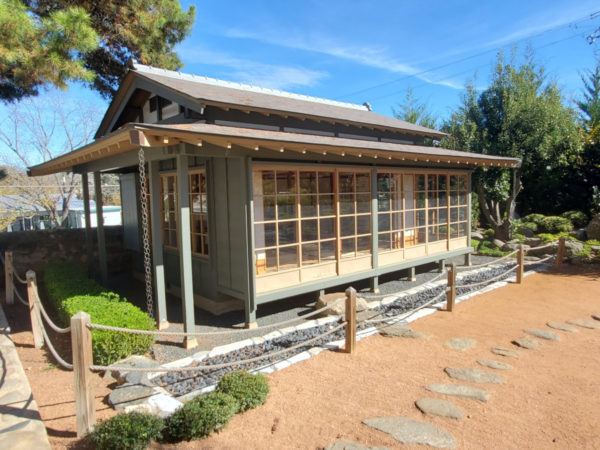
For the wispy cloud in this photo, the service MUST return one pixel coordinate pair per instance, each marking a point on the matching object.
(264, 75)
(376, 57)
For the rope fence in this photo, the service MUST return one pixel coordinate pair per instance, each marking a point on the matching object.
(406, 314)
(489, 263)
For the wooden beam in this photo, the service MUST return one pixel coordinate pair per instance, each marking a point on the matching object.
(138, 138)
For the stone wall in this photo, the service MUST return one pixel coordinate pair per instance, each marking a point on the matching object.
(34, 249)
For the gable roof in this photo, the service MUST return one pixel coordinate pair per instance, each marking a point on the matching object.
(210, 91)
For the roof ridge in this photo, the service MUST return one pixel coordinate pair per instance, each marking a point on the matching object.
(242, 86)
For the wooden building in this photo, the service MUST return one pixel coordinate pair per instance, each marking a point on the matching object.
(256, 195)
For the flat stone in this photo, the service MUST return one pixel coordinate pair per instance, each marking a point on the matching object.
(473, 375)
(163, 405)
(439, 407)
(543, 334)
(505, 352)
(585, 323)
(526, 342)
(410, 431)
(129, 394)
(561, 326)
(460, 344)
(498, 365)
(347, 445)
(401, 330)
(596, 316)
(135, 361)
(457, 390)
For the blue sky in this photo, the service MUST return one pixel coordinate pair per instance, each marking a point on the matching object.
(361, 51)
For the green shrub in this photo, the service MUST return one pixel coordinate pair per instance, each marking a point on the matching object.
(70, 291)
(535, 218)
(529, 225)
(520, 237)
(579, 219)
(593, 242)
(201, 416)
(475, 212)
(127, 431)
(485, 249)
(248, 389)
(555, 224)
(489, 234)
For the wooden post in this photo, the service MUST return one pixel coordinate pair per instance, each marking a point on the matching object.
(521, 262)
(34, 309)
(81, 342)
(451, 289)
(350, 320)
(561, 252)
(8, 278)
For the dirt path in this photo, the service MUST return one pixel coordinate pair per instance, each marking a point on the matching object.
(548, 400)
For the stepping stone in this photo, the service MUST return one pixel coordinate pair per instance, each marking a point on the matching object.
(129, 395)
(505, 352)
(561, 326)
(457, 390)
(526, 342)
(494, 364)
(401, 330)
(460, 344)
(596, 316)
(585, 323)
(347, 445)
(543, 334)
(410, 431)
(473, 375)
(439, 407)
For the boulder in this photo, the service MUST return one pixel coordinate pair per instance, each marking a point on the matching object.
(572, 248)
(579, 234)
(511, 247)
(533, 241)
(135, 361)
(340, 308)
(592, 230)
(543, 250)
(525, 231)
(477, 236)
(498, 243)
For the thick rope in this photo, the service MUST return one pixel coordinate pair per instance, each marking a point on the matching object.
(479, 283)
(212, 333)
(53, 351)
(47, 317)
(543, 247)
(405, 314)
(21, 299)
(19, 279)
(539, 261)
(398, 293)
(220, 366)
(495, 261)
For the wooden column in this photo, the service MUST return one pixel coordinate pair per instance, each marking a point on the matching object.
(157, 244)
(8, 277)
(250, 304)
(87, 221)
(561, 252)
(100, 229)
(441, 265)
(468, 259)
(412, 274)
(184, 242)
(469, 215)
(350, 320)
(521, 263)
(34, 310)
(451, 289)
(81, 342)
(374, 230)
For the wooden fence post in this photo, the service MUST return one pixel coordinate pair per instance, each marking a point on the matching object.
(521, 263)
(34, 309)
(8, 277)
(451, 289)
(350, 320)
(81, 342)
(561, 252)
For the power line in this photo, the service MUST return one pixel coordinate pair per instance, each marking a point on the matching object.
(590, 16)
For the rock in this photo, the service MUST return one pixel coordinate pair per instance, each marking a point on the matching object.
(579, 234)
(163, 405)
(533, 241)
(460, 344)
(473, 375)
(585, 323)
(543, 334)
(572, 248)
(347, 445)
(510, 247)
(525, 231)
(340, 308)
(456, 390)
(140, 407)
(410, 431)
(531, 258)
(543, 250)
(400, 330)
(134, 361)
(494, 364)
(592, 230)
(526, 342)
(439, 407)
(477, 236)
(561, 326)
(505, 352)
(129, 394)
(498, 243)
(596, 316)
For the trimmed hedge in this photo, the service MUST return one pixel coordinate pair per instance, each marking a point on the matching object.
(71, 291)
(201, 416)
(249, 390)
(550, 224)
(133, 431)
(579, 219)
